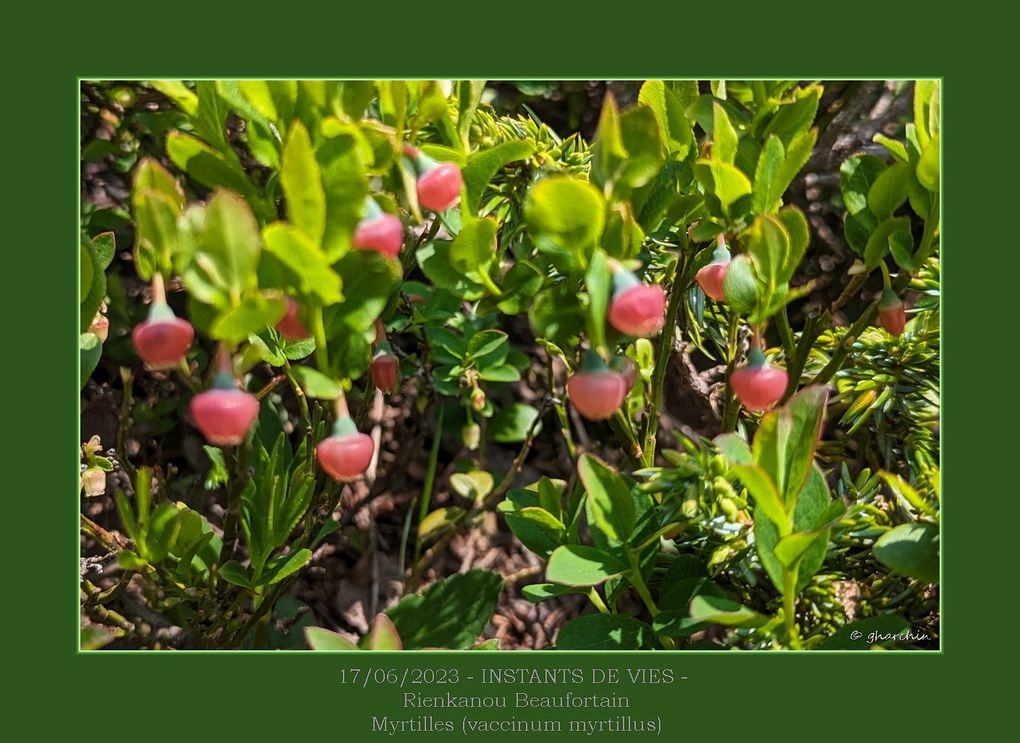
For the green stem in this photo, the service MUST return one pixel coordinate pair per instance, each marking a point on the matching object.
(927, 245)
(430, 479)
(730, 408)
(319, 333)
(785, 335)
(886, 283)
(624, 431)
(665, 348)
(795, 365)
(594, 597)
(303, 404)
(843, 349)
(561, 412)
(640, 586)
(638, 581)
(790, 608)
(489, 284)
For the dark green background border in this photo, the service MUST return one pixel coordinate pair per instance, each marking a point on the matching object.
(805, 696)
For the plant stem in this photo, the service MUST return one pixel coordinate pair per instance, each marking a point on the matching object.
(790, 607)
(624, 431)
(430, 479)
(795, 365)
(785, 334)
(665, 348)
(561, 411)
(594, 597)
(730, 408)
(319, 333)
(639, 584)
(638, 581)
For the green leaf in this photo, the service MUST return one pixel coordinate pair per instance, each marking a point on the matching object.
(520, 284)
(228, 246)
(927, 108)
(857, 174)
(322, 639)
(716, 610)
(436, 263)
(217, 474)
(741, 285)
(769, 243)
(290, 504)
(669, 112)
(902, 489)
(482, 166)
(151, 176)
(156, 235)
(767, 181)
(604, 632)
(610, 497)
(355, 95)
(450, 613)
(726, 181)
(791, 548)
(578, 565)
(537, 529)
(438, 521)
(812, 512)
(369, 279)
(234, 572)
(598, 281)
(95, 637)
(928, 167)
(469, 95)
(642, 139)
(901, 247)
(536, 593)
(105, 245)
(867, 633)
(802, 418)
(759, 483)
(473, 485)
(383, 635)
(511, 423)
(316, 384)
(474, 248)
(205, 164)
(254, 312)
(798, 152)
(889, 191)
(313, 274)
(92, 294)
(724, 136)
(734, 448)
(911, 550)
(500, 373)
(796, 225)
(90, 351)
(569, 211)
(302, 184)
(608, 152)
(879, 243)
(285, 565)
(896, 148)
(556, 315)
(128, 560)
(794, 118)
(485, 343)
(342, 160)
(179, 93)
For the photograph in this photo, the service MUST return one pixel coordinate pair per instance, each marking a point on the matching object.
(511, 364)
